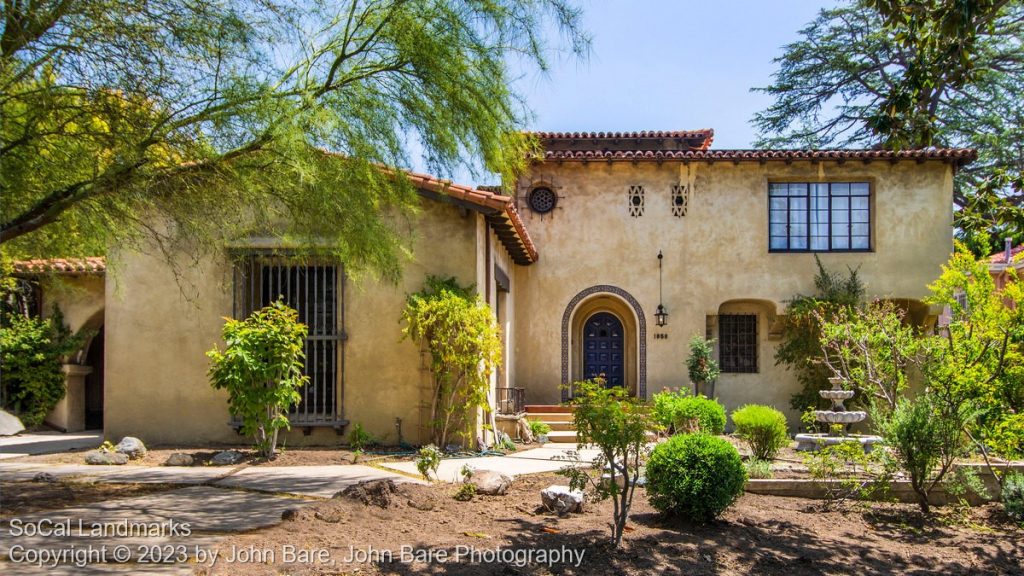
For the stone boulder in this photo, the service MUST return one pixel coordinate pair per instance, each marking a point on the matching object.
(10, 424)
(101, 458)
(227, 457)
(490, 482)
(562, 500)
(372, 492)
(131, 447)
(44, 477)
(179, 459)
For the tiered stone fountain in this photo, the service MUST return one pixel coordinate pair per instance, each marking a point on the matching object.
(838, 415)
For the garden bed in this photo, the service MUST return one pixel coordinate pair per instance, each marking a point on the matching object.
(759, 534)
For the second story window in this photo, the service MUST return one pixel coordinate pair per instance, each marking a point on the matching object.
(819, 216)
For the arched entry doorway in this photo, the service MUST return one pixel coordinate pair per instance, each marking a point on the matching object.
(624, 308)
(604, 349)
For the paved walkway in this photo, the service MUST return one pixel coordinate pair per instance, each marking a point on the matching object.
(48, 443)
(215, 502)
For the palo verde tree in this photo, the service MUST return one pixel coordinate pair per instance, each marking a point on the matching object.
(462, 337)
(190, 123)
(908, 74)
(262, 369)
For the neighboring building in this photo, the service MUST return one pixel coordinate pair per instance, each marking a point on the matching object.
(1000, 264)
(569, 263)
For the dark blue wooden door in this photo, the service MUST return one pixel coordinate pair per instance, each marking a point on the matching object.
(603, 349)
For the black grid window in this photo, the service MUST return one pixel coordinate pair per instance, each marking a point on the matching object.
(737, 342)
(316, 291)
(819, 216)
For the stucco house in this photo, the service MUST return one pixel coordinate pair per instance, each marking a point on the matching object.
(605, 257)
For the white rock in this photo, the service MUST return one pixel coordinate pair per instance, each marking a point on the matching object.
(131, 447)
(490, 482)
(562, 500)
(179, 459)
(10, 424)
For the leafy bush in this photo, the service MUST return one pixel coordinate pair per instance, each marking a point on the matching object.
(709, 414)
(1013, 497)
(701, 366)
(763, 428)
(695, 476)
(261, 368)
(428, 460)
(846, 471)
(32, 351)
(617, 424)
(925, 440)
(679, 411)
(537, 428)
(759, 468)
(359, 439)
(465, 493)
(462, 336)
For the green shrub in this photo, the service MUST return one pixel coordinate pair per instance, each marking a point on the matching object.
(678, 410)
(261, 368)
(695, 476)
(1013, 497)
(359, 439)
(428, 460)
(709, 414)
(763, 428)
(759, 468)
(32, 351)
(537, 428)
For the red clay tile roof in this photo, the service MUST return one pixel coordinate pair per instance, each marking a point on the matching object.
(88, 265)
(959, 156)
(705, 134)
(500, 211)
(1000, 257)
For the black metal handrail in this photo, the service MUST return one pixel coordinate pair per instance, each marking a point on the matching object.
(510, 400)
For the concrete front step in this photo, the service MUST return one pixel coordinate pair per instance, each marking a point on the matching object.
(551, 417)
(548, 408)
(562, 436)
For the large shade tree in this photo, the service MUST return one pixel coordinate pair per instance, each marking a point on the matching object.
(914, 73)
(194, 122)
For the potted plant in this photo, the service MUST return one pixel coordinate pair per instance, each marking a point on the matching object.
(702, 367)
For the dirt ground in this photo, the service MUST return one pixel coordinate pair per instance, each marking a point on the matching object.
(758, 535)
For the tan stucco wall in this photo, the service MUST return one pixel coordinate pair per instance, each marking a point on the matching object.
(158, 330)
(717, 253)
(80, 299)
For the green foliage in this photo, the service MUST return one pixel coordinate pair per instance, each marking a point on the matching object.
(701, 366)
(846, 471)
(428, 460)
(261, 369)
(979, 364)
(874, 349)
(538, 428)
(695, 476)
(800, 349)
(616, 424)
(32, 351)
(685, 413)
(709, 414)
(1013, 497)
(465, 493)
(763, 428)
(891, 73)
(925, 439)
(359, 439)
(216, 115)
(760, 469)
(462, 336)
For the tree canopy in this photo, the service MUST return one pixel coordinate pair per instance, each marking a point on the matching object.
(914, 73)
(193, 123)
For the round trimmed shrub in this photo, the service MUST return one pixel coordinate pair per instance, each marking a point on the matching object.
(695, 476)
(709, 414)
(763, 428)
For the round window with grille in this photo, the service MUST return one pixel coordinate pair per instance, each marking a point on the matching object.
(543, 200)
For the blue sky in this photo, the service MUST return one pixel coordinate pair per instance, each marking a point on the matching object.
(669, 65)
